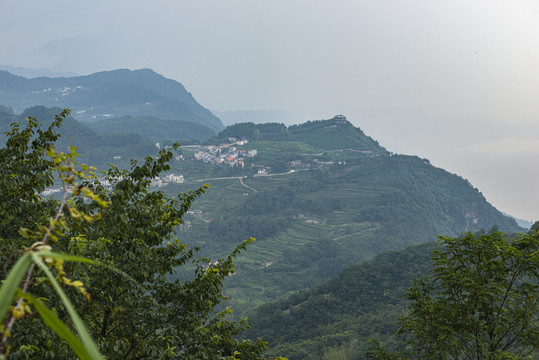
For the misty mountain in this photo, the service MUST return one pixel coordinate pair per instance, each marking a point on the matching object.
(107, 94)
(33, 73)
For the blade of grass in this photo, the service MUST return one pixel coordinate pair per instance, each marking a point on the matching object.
(68, 257)
(12, 283)
(57, 325)
(85, 337)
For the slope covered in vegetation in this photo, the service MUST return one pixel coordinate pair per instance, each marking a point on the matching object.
(320, 209)
(108, 94)
(96, 148)
(334, 319)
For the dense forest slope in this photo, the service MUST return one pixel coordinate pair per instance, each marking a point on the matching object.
(334, 319)
(95, 148)
(105, 141)
(107, 94)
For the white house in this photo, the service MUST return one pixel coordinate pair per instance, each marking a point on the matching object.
(178, 179)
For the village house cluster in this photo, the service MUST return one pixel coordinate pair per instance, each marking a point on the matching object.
(61, 91)
(225, 154)
(67, 90)
(157, 182)
(49, 191)
(167, 179)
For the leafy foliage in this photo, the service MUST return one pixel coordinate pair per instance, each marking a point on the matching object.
(135, 311)
(25, 172)
(481, 302)
(39, 255)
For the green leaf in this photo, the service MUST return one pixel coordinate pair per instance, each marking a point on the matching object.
(74, 258)
(85, 337)
(67, 257)
(11, 284)
(57, 325)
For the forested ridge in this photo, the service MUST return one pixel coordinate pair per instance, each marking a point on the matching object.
(154, 128)
(363, 301)
(331, 134)
(97, 148)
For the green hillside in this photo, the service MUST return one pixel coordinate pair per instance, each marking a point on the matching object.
(330, 210)
(269, 132)
(334, 319)
(107, 94)
(95, 148)
(482, 278)
(334, 134)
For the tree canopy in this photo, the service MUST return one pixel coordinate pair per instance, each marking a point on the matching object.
(132, 308)
(480, 302)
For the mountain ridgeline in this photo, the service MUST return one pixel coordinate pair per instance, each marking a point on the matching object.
(335, 134)
(108, 94)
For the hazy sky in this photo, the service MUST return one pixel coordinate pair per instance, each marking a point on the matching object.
(453, 81)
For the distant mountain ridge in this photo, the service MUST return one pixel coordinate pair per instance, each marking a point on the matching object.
(154, 128)
(108, 94)
(33, 73)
